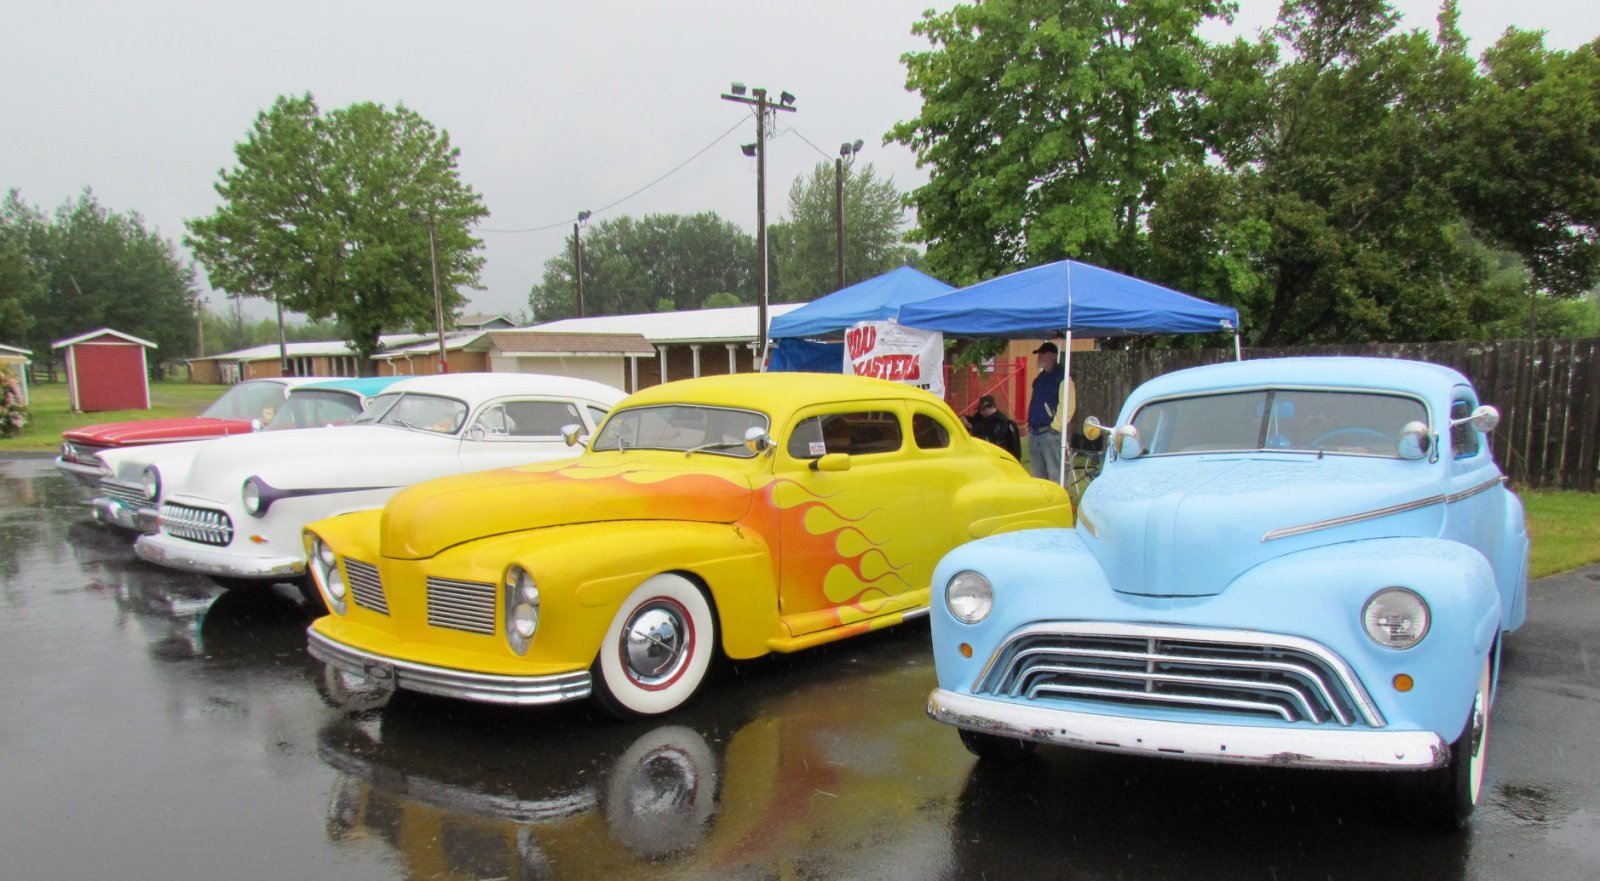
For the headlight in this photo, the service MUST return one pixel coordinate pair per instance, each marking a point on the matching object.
(1395, 618)
(152, 483)
(325, 554)
(252, 496)
(969, 597)
(521, 608)
(336, 585)
(67, 452)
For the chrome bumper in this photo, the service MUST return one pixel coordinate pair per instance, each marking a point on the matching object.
(190, 557)
(444, 681)
(1354, 749)
(116, 512)
(88, 475)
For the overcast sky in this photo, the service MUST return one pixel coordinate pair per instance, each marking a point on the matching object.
(555, 107)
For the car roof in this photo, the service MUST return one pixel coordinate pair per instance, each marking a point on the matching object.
(365, 386)
(774, 392)
(475, 388)
(1384, 374)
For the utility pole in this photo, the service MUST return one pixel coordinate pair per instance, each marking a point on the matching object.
(438, 297)
(759, 151)
(200, 327)
(847, 150)
(577, 257)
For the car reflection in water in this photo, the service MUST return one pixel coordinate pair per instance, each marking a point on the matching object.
(475, 792)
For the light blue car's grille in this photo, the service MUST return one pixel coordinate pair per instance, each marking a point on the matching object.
(1247, 673)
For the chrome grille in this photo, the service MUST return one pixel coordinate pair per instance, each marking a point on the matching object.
(204, 525)
(461, 605)
(366, 586)
(1179, 668)
(134, 497)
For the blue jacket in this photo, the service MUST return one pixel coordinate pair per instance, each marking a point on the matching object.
(1046, 397)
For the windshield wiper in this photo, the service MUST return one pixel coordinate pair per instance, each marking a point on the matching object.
(720, 445)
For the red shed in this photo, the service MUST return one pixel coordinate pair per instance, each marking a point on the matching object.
(107, 370)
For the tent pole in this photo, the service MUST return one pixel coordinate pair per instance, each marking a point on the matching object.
(1061, 403)
(1238, 351)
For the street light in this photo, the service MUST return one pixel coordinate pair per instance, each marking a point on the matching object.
(759, 151)
(577, 256)
(847, 150)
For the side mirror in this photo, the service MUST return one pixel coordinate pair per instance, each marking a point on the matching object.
(757, 440)
(1125, 439)
(1092, 429)
(1484, 419)
(832, 462)
(572, 434)
(476, 432)
(1415, 440)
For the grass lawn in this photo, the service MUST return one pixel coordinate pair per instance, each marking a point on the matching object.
(1564, 528)
(50, 412)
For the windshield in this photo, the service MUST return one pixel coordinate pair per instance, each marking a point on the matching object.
(248, 400)
(1355, 423)
(311, 409)
(680, 427)
(427, 412)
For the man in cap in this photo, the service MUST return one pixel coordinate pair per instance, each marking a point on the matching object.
(1045, 414)
(995, 427)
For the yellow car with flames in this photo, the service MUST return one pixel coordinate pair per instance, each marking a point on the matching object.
(749, 514)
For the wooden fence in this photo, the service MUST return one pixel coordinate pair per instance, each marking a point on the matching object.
(1547, 391)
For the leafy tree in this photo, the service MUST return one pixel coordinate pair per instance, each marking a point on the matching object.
(329, 215)
(1051, 128)
(20, 283)
(660, 263)
(807, 245)
(98, 268)
(1527, 159)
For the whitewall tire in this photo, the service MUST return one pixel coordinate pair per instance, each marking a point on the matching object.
(657, 650)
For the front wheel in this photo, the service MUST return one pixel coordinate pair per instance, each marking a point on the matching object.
(1444, 798)
(657, 650)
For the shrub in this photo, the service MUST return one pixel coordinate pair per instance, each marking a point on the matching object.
(13, 413)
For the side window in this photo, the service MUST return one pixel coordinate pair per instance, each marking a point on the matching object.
(539, 418)
(858, 434)
(493, 422)
(1463, 439)
(597, 415)
(929, 433)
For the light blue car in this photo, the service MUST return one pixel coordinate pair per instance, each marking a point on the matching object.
(1304, 562)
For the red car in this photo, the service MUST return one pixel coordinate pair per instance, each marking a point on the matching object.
(246, 407)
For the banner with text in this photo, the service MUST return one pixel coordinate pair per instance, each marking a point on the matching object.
(904, 354)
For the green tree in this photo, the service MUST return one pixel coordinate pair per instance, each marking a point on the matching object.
(329, 215)
(807, 245)
(99, 268)
(1332, 221)
(661, 263)
(21, 284)
(1050, 128)
(1527, 159)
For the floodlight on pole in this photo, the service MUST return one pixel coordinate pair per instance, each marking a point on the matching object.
(577, 257)
(847, 151)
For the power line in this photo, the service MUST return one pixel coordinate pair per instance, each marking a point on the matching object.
(674, 170)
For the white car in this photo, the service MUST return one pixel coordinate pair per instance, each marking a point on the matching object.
(129, 489)
(237, 512)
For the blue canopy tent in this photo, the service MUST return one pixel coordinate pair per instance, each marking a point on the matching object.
(1068, 297)
(876, 299)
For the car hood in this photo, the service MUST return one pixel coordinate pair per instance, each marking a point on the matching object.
(1190, 525)
(155, 431)
(320, 458)
(425, 519)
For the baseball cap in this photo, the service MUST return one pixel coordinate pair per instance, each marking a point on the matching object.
(1047, 346)
(986, 401)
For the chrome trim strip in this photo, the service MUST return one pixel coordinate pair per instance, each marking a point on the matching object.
(1254, 638)
(1440, 499)
(1291, 694)
(1335, 749)
(446, 682)
(267, 569)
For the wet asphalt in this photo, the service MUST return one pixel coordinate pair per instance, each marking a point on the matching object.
(155, 726)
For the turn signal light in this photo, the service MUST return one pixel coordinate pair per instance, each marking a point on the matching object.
(259, 539)
(1402, 682)
(966, 650)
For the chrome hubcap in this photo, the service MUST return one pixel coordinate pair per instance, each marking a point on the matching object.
(656, 644)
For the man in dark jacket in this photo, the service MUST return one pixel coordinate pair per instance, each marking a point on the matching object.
(995, 427)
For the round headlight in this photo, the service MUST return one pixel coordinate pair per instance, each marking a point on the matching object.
(152, 483)
(525, 620)
(67, 452)
(1395, 618)
(336, 585)
(252, 496)
(969, 597)
(325, 554)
